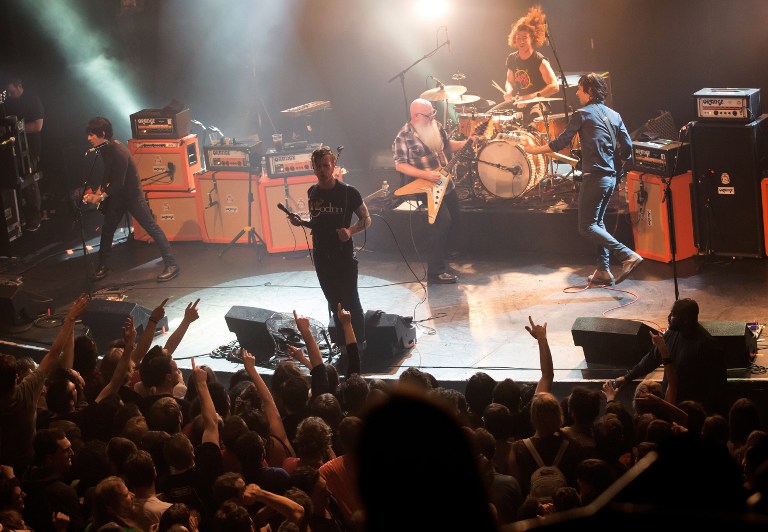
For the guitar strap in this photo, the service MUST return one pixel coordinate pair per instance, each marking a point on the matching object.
(612, 132)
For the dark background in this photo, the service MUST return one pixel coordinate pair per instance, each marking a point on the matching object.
(237, 63)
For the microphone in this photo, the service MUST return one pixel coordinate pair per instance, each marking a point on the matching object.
(284, 209)
(447, 40)
(9, 140)
(517, 169)
(171, 170)
(439, 83)
(96, 148)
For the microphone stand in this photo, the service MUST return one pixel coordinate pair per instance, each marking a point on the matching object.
(78, 212)
(562, 74)
(402, 73)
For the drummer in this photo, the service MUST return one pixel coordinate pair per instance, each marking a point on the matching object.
(529, 74)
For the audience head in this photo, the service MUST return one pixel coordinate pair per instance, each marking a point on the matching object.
(546, 414)
(118, 451)
(684, 315)
(498, 421)
(112, 502)
(176, 515)
(327, 407)
(178, 452)
(231, 517)
(743, 418)
(479, 392)
(313, 438)
(584, 405)
(139, 470)
(416, 379)
(53, 450)
(507, 393)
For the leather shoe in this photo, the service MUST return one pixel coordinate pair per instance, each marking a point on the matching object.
(601, 278)
(627, 266)
(443, 278)
(100, 273)
(169, 272)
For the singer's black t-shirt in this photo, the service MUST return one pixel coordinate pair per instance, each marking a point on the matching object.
(332, 209)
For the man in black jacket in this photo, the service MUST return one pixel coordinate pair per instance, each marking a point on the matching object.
(120, 192)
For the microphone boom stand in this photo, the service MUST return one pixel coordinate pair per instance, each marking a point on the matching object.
(402, 73)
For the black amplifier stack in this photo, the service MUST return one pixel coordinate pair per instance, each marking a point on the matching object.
(729, 158)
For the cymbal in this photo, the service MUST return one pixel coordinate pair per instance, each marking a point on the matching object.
(447, 92)
(538, 99)
(464, 99)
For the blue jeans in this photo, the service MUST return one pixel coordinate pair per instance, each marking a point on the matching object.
(594, 194)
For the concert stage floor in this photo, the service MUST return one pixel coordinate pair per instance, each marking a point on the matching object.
(475, 325)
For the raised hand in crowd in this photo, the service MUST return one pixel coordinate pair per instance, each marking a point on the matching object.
(157, 314)
(610, 390)
(353, 353)
(190, 315)
(539, 332)
(51, 362)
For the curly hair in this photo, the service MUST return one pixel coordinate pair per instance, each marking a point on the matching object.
(535, 23)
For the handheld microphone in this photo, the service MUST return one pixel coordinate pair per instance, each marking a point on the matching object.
(284, 209)
(447, 40)
(9, 140)
(96, 148)
(439, 83)
(171, 170)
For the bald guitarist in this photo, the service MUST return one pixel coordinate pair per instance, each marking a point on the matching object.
(419, 151)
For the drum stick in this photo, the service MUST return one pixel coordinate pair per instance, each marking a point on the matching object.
(497, 87)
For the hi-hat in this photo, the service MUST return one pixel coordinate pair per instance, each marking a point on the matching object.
(464, 99)
(447, 92)
(538, 99)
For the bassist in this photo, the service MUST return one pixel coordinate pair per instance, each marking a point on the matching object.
(419, 151)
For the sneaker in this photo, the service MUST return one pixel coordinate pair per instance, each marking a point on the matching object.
(100, 273)
(443, 278)
(32, 227)
(628, 265)
(169, 272)
(601, 278)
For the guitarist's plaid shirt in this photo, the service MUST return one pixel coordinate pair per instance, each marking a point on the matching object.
(408, 148)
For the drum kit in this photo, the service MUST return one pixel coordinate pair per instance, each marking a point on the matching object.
(501, 169)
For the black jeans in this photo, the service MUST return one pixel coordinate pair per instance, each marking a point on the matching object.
(337, 274)
(441, 232)
(137, 207)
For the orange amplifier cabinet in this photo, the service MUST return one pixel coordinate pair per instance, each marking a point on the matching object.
(222, 205)
(175, 213)
(764, 196)
(166, 165)
(650, 224)
(279, 235)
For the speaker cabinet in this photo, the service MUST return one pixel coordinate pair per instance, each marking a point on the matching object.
(166, 165)
(648, 213)
(728, 162)
(736, 339)
(106, 318)
(387, 337)
(250, 326)
(175, 213)
(612, 342)
(11, 219)
(222, 205)
(19, 306)
(279, 235)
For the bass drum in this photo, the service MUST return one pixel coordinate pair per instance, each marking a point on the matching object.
(505, 170)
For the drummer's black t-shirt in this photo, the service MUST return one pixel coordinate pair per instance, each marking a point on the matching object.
(526, 73)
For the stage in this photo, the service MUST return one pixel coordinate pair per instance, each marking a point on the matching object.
(514, 263)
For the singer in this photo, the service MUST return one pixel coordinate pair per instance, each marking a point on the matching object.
(419, 151)
(605, 146)
(331, 204)
(529, 74)
(119, 191)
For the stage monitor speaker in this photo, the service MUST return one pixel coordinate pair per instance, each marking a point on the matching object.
(105, 319)
(166, 165)
(250, 326)
(736, 339)
(387, 337)
(19, 306)
(612, 342)
(728, 163)
(279, 235)
(222, 205)
(175, 213)
(648, 213)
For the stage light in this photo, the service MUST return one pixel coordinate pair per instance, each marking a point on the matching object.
(434, 8)
(85, 52)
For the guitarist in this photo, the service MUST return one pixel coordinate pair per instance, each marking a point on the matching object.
(119, 192)
(605, 146)
(420, 151)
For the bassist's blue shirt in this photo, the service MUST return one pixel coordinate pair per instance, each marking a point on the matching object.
(597, 149)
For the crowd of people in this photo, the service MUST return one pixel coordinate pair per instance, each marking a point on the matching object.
(117, 441)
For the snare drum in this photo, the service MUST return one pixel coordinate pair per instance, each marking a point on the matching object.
(557, 124)
(505, 170)
(468, 122)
